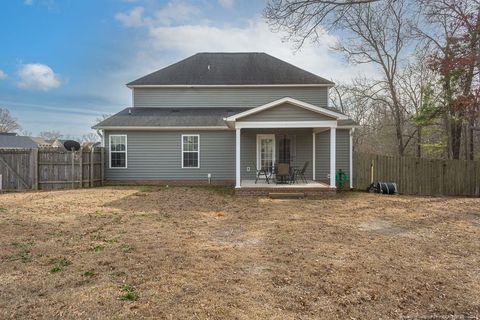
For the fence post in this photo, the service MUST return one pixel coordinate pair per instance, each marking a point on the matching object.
(102, 160)
(80, 164)
(34, 168)
(91, 167)
(72, 153)
(477, 178)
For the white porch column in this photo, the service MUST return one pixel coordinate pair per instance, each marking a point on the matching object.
(237, 158)
(333, 154)
(313, 155)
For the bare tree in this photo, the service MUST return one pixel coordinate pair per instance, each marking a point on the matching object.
(375, 32)
(420, 97)
(378, 34)
(50, 135)
(453, 37)
(90, 137)
(346, 99)
(102, 117)
(303, 19)
(7, 122)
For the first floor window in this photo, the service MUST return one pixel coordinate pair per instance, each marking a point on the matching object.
(190, 151)
(118, 151)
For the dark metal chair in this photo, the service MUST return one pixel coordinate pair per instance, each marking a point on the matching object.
(260, 172)
(284, 173)
(301, 172)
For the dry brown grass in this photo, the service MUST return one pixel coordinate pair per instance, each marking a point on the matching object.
(193, 253)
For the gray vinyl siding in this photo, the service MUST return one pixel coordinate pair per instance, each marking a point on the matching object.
(322, 146)
(286, 112)
(225, 97)
(248, 156)
(156, 155)
(322, 155)
(343, 151)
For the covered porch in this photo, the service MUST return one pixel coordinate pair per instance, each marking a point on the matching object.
(309, 153)
(289, 133)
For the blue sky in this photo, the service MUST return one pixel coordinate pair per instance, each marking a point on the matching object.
(64, 63)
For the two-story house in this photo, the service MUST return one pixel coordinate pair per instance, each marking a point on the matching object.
(221, 117)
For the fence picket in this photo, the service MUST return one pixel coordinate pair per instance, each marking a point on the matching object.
(23, 169)
(419, 176)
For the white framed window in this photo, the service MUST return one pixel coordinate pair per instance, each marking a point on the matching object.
(118, 151)
(190, 151)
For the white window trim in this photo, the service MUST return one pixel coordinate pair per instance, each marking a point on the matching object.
(110, 151)
(259, 137)
(198, 151)
(285, 124)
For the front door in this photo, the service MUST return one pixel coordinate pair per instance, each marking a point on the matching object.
(265, 151)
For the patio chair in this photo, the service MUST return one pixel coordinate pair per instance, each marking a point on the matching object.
(260, 172)
(284, 173)
(301, 172)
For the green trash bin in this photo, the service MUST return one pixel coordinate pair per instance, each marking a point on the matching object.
(341, 178)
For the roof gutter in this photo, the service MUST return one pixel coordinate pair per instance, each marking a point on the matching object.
(350, 126)
(325, 85)
(153, 128)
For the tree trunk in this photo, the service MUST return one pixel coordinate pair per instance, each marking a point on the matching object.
(419, 142)
(471, 153)
(456, 134)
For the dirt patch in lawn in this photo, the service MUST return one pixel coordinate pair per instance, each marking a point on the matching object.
(202, 253)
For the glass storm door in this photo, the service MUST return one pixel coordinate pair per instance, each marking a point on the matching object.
(265, 151)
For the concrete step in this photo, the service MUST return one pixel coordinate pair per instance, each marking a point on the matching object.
(286, 195)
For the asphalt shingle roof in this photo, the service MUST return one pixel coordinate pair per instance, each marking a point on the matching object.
(20, 142)
(246, 68)
(177, 117)
(170, 117)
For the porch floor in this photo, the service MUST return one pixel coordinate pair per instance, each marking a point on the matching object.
(300, 185)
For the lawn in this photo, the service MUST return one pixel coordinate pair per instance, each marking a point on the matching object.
(202, 253)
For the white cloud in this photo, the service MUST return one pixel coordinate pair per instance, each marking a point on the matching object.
(173, 12)
(3, 75)
(226, 3)
(37, 76)
(133, 18)
(28, 2)
(256, 36)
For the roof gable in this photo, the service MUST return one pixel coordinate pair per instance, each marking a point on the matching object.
(287, 112)
(333, 115)
(230, 69)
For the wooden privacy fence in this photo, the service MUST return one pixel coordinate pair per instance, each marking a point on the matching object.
(23, 169)
(419, 176)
